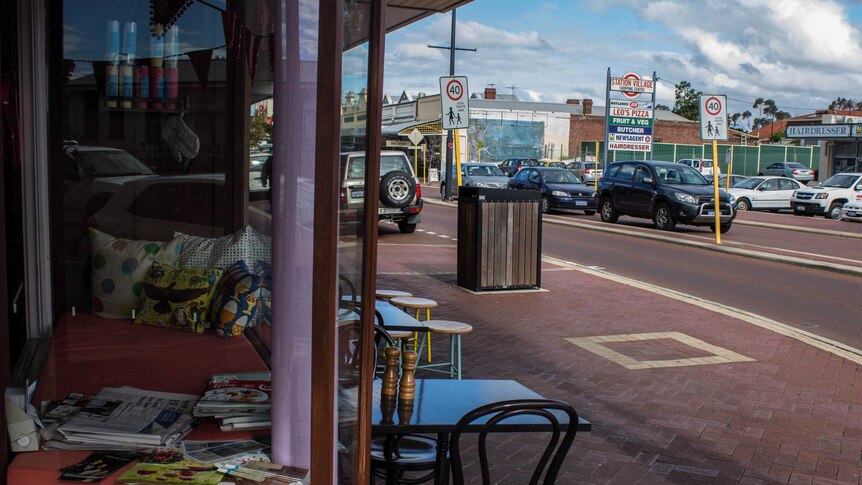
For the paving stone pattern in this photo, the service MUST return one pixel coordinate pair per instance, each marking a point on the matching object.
(791, 415)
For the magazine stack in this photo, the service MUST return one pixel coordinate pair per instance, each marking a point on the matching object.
(128, 418)
(238, 401)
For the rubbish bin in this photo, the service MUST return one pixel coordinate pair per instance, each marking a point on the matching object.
(499, 239)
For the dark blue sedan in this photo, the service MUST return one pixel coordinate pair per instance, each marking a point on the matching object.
(561, 189)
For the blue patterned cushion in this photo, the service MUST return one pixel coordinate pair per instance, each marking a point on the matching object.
(235, 304)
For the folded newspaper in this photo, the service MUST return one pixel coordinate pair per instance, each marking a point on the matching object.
(131, 416)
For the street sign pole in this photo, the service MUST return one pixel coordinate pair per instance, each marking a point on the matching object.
(655, 88)
(717, 204)
(607, 115)
(449, 140)
(712, 109)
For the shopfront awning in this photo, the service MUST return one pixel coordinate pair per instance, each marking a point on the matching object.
(400, 13)
(428, 127)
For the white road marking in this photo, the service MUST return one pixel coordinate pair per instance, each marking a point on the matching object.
(431, 233)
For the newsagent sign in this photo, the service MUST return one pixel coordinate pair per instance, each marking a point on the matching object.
(629, 122)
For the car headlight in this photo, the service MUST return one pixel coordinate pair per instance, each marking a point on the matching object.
(731, 198)
(822, 195)
(559, 193)
(794, 194)
(480, 184)
(688, 199)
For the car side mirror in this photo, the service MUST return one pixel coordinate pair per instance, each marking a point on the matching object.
(761, 189)
(859, 188)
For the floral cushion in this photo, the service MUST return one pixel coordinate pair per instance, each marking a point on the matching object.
(178, 298)
(119, 267)
(235, 304)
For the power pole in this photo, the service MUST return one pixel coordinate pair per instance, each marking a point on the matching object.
(450, 141)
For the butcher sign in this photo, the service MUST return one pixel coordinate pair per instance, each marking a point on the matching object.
(454, 102)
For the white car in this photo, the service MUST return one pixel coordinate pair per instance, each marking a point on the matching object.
(155, 207)
(827, 198)
(770, 193)
(852, 211)
(702, 165)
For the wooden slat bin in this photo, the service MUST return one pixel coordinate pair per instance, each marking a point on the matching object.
(499, 239)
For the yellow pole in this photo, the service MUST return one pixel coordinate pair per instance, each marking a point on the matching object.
(458, 156)
(425, 162)
(716, 206)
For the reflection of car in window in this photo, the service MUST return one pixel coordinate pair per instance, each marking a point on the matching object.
(478, 174)
(400, 194)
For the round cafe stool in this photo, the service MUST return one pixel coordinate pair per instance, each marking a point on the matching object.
(389, 294)
(417, 304)
(454, 330)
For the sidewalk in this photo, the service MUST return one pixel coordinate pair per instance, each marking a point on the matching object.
(705, 398)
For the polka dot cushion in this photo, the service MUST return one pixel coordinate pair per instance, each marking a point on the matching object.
(245, 245)
(235, 305)
(177, 298)
(119, 269)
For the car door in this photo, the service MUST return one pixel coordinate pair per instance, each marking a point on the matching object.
(767, 195)
(774, 169)
(622, 188)
(517, 182)
(533, 180)
(786, 187)
(640, 198)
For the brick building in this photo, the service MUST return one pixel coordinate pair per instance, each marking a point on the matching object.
(669, 127)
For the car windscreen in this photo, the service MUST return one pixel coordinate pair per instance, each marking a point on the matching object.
(388, 163)
(529, 162)
(680, 175)
(484, 171)
(592, 166)
(842, 181)
(110, 163)
(706, 163)
(560, 177)
(750, 184)
(796, 165)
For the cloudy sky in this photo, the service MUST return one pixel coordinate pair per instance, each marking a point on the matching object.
(801, 53)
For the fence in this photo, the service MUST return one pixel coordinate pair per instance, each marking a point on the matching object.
(747, 160)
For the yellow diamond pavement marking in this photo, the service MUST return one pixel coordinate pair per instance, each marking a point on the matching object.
(719, 355)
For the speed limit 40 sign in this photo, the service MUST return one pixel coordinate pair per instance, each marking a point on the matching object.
(713, 117)
(454, 102)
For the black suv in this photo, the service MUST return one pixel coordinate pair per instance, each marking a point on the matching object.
(666, 192)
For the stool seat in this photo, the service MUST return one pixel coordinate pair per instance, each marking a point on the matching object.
(400, 333)
(448, 327)
(387, 294)
(413, 302)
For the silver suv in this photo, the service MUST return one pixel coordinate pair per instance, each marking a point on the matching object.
(400, 194)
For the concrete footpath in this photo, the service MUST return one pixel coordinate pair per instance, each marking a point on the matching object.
(676, 391)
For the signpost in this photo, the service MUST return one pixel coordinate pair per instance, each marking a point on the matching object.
(455, 111)
(628, 122)
(713, 126)
(415, 137)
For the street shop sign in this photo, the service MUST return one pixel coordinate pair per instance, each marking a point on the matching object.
(820, 131)
(631, 85)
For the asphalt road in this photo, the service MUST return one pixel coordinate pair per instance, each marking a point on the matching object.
(816, 300)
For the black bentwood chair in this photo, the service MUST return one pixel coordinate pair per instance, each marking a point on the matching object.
(507, 409)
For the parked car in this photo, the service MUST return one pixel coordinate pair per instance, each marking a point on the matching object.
(154, 208)
(852, 211)
(666, 192)
(476, 174)
(792, 170)
(827, 198)
(400, 194)
(702, 165)
(772, 193)
(510, 166)
(560, 188)
(586, 171)
(552, 163)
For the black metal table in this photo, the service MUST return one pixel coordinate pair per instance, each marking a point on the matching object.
(440, 403)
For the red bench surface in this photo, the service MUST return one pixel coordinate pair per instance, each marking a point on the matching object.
(88, 353)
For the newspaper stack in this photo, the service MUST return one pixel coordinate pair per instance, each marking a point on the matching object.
(129, 418)
(238, 401)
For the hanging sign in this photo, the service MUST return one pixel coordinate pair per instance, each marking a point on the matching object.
(454, 104)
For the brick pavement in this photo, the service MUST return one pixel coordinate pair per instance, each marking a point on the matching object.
(792, 414)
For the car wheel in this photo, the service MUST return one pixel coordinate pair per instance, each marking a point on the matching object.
(724, 227)
(662, 218)
(397, 189)
(743, 205)
(590, 213)
(609, 212)
(546, 204)
(406, 228)
(834, 211)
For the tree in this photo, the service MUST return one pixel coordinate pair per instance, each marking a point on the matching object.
(845, 104)
(662, 107)
(686, 101)
(746, 116)
(259, 129)
(777, 136)
(769, 114)
(734, 119)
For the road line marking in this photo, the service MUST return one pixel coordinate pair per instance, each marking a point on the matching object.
(834, 347)
(785, 227)
(443, 236)
(431, 233)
